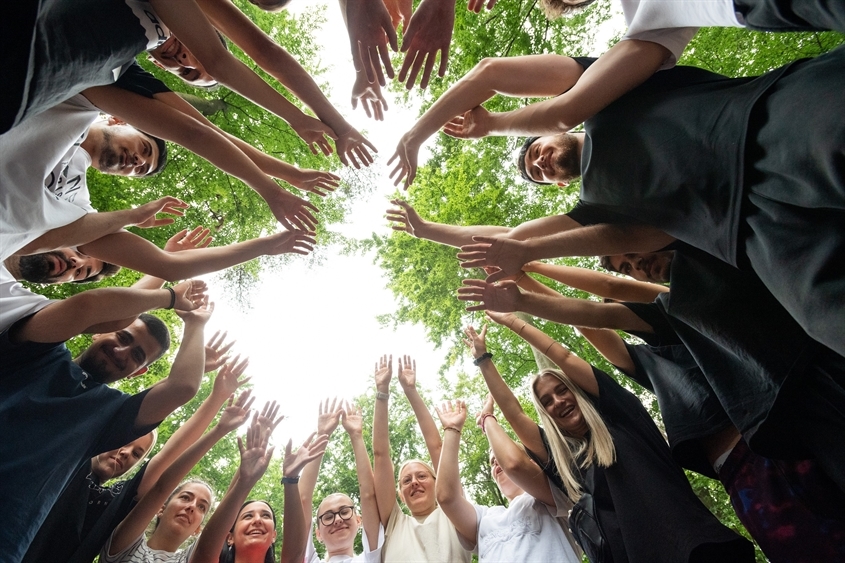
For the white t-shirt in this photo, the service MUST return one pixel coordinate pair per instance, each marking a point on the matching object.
(68, 180)
(432, 539)
(140, 552)
(673, 23)
(16, 301)
(368, 556)
(28, 154)
(527, 530)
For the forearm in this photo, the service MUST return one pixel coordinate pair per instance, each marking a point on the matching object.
(427, 425)
(622, 68)
(367, 490)
(598, 240)
(516, 464)
(84, 230)
(456, 235)
(576, 312)
(599, 283)
(502, 394)
(448, 486)
(529, 284)
(611, 346)
(307, 484)
(295, 527)
(382, 464)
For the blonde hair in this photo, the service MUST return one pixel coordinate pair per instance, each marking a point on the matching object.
(406, 464)
(558, 8)
(595, 447)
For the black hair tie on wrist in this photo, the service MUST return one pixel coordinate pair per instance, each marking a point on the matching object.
(172, 297)
(477, 361)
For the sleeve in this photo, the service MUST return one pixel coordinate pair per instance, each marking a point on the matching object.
(16, 301)
(585, 61)
(586, 214)
(121, 429)
(563, 504)
(652, 313)
(16, 355)
(371, 556)
(674, 39)
(393, 520)
(124, 555)
(136, 79)
(310, 551)
(550, 469)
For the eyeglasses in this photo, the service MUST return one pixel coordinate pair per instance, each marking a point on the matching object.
(327, 518)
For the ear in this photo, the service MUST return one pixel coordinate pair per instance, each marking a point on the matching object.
(317, 533)
(115, 121)
(563, 184)
(230, 540)
(141, 371)
(155, 62)
(96, 337)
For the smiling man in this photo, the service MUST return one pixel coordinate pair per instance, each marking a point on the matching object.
(60, 409)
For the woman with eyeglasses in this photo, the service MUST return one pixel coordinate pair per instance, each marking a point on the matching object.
(337, 522)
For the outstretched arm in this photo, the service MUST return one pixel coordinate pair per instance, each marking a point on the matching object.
(382, 462)
(448, 488)
(406, 219)
(353, 423)
(525, 428)
(408, 381)
(530, 76)
(139, 518)
(132, 251)
(598, 283)
(511, 255)
(611, 346)
(327, 421)
(161, 120)
(295, 520)
(623, 67)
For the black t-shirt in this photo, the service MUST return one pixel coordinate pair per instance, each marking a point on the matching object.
(646, 507)
(83, 518)
(136, 79)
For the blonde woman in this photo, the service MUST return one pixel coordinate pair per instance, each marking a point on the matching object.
(633, 503)
(426, 534)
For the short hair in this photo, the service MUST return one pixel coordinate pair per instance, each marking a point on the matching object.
(159, 331)
(558, 8)
(162, 155)
(271, 5)
(108, 271)
(604, 262)
(520, 161)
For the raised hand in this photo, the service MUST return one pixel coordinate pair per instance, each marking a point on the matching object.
(255, 456)
(291, 242)
(370, 96)
(269, 417)
(310, 450)
(476, 5)
(370, 30)
(329, 416)
(383, 373)
(353, 420)
(400, 11)
(187, 240)
(294, 213)
(452, 414)
(504, 319)
(352, 148)
(507, 255)
(486, 408)
(190, 297)
(477, 343)
(429, 31)
(315, 181)
(404, 217)
(217, 353)
(237, 412)
(407, 152)
(473, 124)
(228, 378)
(144, 216)
(314, 133)
(407, 372)
(502, 297)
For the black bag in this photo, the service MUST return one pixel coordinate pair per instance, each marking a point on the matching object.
(585, 527)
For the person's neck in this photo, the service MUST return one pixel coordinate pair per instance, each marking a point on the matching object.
(13, 264)
(579, 138)
(250, 555)
(349, 551)
(91, 142)
(165, 540)
(425, 512)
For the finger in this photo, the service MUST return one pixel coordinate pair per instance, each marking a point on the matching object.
(373, 53)
(408, 62)
(367, 66)
(415, 69)
(286, 224)
(429, 64)
(377, 111)
(249, 403)
(391, 38)
(490, 4)
(366, 106)
(496, 276)
(385, 58)
(444, 61)
(324, 146)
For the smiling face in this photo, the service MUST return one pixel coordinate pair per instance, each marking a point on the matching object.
(254, 529)
(176, 59)
(184, 512)
(554, 159)
(508, 488)
(116, 355)
(652, 267)
(115, 463)
(120, 149)
(339, 536)
(561, 405)
(416, 488)
(59, 266)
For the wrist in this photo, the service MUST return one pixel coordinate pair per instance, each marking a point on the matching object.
(482, 358)
(290, 479)
(382, 394)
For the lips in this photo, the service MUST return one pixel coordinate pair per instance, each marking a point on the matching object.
(566, 411)
(117, 462)
(57, 265)
(169, 48)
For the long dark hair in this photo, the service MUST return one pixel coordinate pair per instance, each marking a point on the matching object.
(227, 554)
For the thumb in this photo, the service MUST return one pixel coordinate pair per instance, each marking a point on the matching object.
(488, 240)
(354, 102)
(496, 276)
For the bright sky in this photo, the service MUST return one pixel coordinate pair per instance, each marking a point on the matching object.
(312, 333)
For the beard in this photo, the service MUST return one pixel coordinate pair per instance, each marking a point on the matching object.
(109, 158)
(568, 163)
(98, 370)
(35, 268)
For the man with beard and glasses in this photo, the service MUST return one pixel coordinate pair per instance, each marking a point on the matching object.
(59, 411)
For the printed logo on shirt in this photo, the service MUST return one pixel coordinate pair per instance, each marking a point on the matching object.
(155, 31)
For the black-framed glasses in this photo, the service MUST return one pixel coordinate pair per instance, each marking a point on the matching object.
(327, 518)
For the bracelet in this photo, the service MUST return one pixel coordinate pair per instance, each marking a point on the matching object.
(477, 361)
(484, 419)
(172, 297)
(452, 428)
(520, 329)
(290, 480)
(382, 396)
(549, 348)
